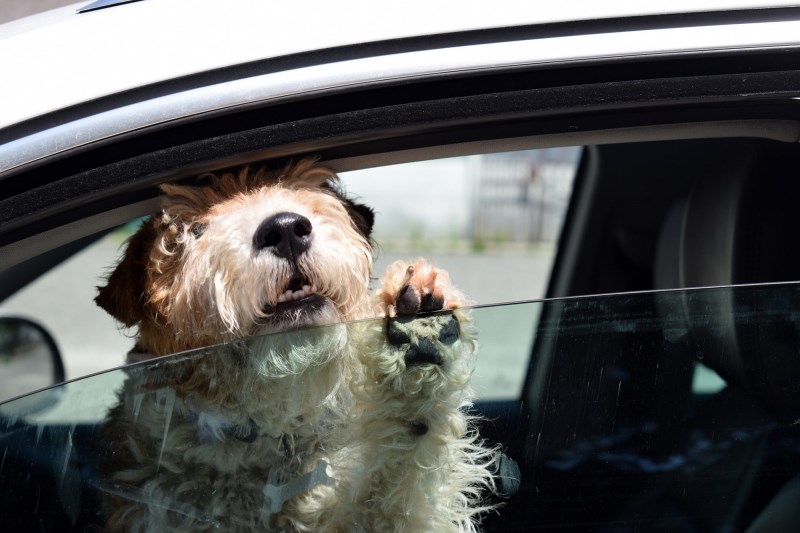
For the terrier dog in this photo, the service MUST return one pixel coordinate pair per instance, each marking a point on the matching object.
(354, 426)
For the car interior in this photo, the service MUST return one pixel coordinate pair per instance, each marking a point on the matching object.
(668, 215)
(609, 433)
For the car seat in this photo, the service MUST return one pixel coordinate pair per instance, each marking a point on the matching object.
(739, 226)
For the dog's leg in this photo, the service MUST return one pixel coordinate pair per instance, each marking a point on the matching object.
(425, 468)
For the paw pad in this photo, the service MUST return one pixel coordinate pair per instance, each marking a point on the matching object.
(419, 293)
(423, 352)
(449, 332)
(410, 289)
(422, 349)
(407, 301)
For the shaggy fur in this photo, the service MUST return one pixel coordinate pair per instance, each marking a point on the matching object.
(356, 426)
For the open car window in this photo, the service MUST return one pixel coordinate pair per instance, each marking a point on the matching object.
(485, 218)
(670, 410)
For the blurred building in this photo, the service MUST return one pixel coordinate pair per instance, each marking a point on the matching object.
(521, 196)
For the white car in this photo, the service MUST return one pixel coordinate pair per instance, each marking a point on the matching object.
(656, 387)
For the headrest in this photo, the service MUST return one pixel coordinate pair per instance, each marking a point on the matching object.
(740, 224)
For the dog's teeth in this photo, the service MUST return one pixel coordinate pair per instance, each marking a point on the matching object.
(290, 296)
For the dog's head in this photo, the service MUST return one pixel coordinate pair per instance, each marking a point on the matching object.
(252, 252)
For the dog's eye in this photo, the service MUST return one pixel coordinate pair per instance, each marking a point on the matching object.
(198, 228)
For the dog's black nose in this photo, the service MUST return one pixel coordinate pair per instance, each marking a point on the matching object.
(285, 234)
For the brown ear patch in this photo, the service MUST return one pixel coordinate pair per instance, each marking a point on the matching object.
(123, 295)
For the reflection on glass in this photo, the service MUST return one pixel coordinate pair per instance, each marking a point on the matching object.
(318, 428)
(607, 430)
(27, 358)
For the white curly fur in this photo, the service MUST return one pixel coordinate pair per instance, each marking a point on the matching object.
(192, 445)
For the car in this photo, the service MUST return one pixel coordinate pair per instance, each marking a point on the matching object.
(652, 385)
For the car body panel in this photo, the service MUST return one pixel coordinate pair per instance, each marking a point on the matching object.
(162, 40)
(311, 81)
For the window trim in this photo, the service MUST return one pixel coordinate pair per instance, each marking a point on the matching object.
(393, 69)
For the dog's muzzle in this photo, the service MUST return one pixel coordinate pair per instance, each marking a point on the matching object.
(288, 235)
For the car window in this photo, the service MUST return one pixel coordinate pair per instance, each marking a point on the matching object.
(485, 219)
(612, 430)
(62, 300)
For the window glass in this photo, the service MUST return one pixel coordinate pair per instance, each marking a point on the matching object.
(62, 301)
(611, 430)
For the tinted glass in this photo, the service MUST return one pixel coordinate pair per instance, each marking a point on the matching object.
(659, 411)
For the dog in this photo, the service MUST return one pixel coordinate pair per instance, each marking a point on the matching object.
(270, 423)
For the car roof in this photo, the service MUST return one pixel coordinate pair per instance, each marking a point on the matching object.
(67, 57)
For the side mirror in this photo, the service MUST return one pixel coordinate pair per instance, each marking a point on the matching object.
(29, 361)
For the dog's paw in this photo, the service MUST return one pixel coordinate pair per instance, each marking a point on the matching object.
(405, 332)
(411, 295)
(419, 287)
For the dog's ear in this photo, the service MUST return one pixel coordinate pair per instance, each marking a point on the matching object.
(363, 217)
(123, 295)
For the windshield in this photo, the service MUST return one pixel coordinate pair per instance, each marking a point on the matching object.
(631, 407)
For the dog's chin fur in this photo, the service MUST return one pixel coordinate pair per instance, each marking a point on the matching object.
(199, 442)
